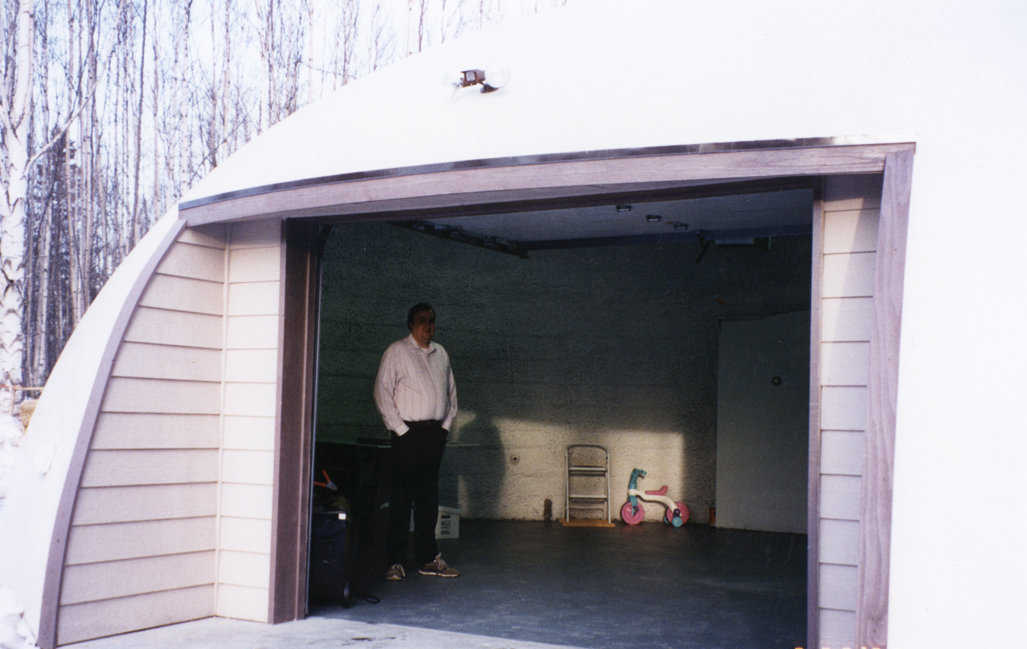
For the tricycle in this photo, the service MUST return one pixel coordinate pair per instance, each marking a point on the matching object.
(633, 513)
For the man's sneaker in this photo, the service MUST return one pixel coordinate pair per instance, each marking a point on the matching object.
(438, 568)
(395, 573)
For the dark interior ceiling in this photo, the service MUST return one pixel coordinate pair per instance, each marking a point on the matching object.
(732, 218)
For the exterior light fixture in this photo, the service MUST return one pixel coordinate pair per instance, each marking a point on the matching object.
(623, 209)
(473, 78)
(653, 218)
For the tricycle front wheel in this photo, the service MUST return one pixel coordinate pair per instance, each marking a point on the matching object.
(632, 515)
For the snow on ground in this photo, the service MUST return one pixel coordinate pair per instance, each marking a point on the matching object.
(14, 632)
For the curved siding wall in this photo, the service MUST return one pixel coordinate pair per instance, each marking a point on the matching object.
(172, 517)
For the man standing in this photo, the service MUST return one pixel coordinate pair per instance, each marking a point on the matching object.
(416, 395)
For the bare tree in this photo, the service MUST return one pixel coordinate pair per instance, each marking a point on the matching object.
(138, 157)
(111, 109)
(381, 40)
(15, 111)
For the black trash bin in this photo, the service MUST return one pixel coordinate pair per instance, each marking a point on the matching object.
(330, 561)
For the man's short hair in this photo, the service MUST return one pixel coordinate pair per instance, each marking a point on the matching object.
(414, 310)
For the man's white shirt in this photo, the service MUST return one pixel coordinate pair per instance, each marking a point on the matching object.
(415, 384)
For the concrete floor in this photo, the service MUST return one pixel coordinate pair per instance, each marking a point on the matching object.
(528, 585)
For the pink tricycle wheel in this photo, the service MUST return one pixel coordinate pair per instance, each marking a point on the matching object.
(632, 515)
(683, 514)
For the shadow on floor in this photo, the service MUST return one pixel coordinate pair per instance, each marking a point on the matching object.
(647, 586)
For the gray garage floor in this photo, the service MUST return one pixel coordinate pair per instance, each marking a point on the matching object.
(525, 582)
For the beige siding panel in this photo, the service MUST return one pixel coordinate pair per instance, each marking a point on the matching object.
(245, 569)
(205, 235)
(839, 542)
(251, 365)
(851, 231)
(242, 603)
(252, 399)
(842, 453)
(98, 619)
(246, 501)
(252, 332)
(843, 408)
(139, 431)
(840, 497)
(844, 363)
(838, 587)
(132, 467)
(255, 433)
(96, 581)
(248, 467)
(175, 328)
(255, 264)
(849, 275)
(198, 262)
(182, 294)
(149, 395)
(852, 192)
(837, 629)
(92, 543)
(256, 298)
(144, 503)
(245, 534)
(267, 232)
(161, 362)
(846, 319)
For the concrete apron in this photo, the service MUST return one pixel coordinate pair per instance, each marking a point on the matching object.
(222, 633)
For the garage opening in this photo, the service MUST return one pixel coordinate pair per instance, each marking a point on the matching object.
(670, 328)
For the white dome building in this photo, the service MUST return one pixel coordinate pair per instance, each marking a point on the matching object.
(171, 446)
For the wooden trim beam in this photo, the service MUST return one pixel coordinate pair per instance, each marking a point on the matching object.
(550, 180)
(875, 513)
(290, 518)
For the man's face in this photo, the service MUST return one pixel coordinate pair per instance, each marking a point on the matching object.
(423, 327)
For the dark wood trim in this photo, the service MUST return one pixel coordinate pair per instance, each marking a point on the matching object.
(451, 189)
(813, 472)
(50, 606)
(875, 513)
(544, 158)
(291, 505)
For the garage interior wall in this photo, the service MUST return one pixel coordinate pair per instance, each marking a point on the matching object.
(612, 345)
(173, 514)
(850, 214)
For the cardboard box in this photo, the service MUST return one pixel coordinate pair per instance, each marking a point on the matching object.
(448, 525)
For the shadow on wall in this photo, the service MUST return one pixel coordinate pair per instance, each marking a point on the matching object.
(474, 467)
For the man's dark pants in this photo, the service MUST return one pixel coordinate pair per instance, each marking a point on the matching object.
(416, 457)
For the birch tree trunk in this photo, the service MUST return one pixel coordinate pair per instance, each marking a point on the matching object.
(14, 112)
(136, 230)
